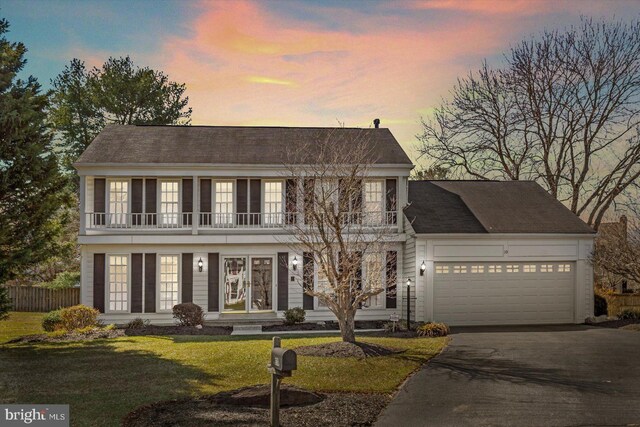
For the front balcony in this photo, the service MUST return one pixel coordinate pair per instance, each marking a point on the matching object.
(183, 221)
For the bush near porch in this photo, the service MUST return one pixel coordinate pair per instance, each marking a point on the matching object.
(103, 380)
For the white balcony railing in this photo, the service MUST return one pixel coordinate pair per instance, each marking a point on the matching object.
(213, 221)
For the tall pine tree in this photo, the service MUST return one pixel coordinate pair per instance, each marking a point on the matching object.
(31, 187)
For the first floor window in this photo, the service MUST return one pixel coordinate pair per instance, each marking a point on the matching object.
(118, 283)
(546, 268)
(564, 268)
(322, 284)
(458, 269)
(477, 268)
(118, 202)
(529, 268)
(442, 269)
(373, 278)
(168, 281)
(169, 202)
(513, 268)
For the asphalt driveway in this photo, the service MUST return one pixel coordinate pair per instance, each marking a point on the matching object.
(525, 376)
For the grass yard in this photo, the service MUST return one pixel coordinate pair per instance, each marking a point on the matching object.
(20, 324)
(104, 380)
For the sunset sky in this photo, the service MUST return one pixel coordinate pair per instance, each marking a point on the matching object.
(296, 63)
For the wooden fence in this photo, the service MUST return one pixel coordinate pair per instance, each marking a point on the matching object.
(618, 303)
(31, 298)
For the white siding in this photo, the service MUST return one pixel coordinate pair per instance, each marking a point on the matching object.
(89, 194)
(408, 270)
(200, 280)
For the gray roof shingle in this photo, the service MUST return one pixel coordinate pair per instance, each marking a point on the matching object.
(488, 207)
(224, 144)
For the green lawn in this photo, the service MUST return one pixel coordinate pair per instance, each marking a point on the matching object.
(104, 380)
(20, 324)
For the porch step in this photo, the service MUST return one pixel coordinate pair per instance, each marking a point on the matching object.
(247, 330)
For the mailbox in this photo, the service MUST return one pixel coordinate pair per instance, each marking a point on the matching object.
(283, 360)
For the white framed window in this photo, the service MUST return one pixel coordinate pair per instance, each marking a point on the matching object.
(529, 268)
(477, 269)
(273, 202)
(374, 201)
(118, 283)
(118, 201)
(442, 269)
(564, 268)
(322, 284)
(223, 202)
(546, 268)
(169, 288)
(459, 269)
(169, 202)
(513, 268)
(374, 272)
(495, 269)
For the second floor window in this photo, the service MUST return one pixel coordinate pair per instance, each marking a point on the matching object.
(223, 207)
(169, 202)
(118, 202)
(374, 201)
(273, 202)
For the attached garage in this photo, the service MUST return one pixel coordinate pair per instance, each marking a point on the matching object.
(496, 253)
(488, 293)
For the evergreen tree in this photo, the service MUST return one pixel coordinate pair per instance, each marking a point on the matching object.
(31, 187)
(5, 303)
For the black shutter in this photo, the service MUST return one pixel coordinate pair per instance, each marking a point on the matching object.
(307, 280)
(214, 282)
(255, 200)
(391, 279)
(357, 203)
(150, 201)
(136, 201)
(187, 277)
(149, 283)
(99, 200)
(391, 201)
(187, 201)
(358, 278)
(205, 201)
(291, 201)
(241, 201)
(283, 280)
(98, 281)
(344, 207)
(136, 282)
(308, 188)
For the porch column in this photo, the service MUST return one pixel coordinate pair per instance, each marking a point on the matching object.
(195, 215)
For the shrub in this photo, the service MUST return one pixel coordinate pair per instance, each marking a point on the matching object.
(294, 315)
(57, 334)
(433, 330)
(110, 327)
(86, 330)
(66, 279)
(399, 326)
(188, 314)
(137, 323)
(52, 321)
(5, 303)
(78, 317)
(600, 305)
(630, 314)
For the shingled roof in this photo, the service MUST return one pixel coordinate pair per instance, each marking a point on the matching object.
(488, 207)
(122, 144)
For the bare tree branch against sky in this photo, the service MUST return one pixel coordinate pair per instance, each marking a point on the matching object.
(296, 63)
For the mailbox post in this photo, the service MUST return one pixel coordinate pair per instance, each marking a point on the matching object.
(283, 362)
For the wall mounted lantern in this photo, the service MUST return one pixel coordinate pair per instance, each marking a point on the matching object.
(423, 267)
(200, 264)
(295, 263)
(409, 281)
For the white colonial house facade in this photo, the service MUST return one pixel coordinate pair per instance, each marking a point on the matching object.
(204, 215)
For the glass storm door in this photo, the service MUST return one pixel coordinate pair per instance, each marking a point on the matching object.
(234, 273)
(261, 284)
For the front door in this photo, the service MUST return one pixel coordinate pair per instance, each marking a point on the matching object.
(247, 283)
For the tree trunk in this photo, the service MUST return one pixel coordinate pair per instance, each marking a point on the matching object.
(347, 326)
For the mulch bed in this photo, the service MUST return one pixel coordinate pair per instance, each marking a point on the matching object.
(360, 350)
(320, 326)
(71, 336)
(616, 323)
(179, 330)
(249, 407)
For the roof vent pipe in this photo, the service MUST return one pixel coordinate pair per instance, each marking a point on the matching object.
(376, 123)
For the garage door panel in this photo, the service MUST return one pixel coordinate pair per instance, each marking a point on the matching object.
(500, 297)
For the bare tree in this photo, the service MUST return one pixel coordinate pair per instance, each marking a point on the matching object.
(616, 257)
(343, 235)
(564, 110)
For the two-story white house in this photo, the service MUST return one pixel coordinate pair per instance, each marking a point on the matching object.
(173, 214)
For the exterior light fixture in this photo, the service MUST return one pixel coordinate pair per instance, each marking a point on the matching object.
(409, 281)
(295, 263)
(423, 267)
(200, 264)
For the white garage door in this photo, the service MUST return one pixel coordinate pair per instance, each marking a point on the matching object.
(504, 293)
